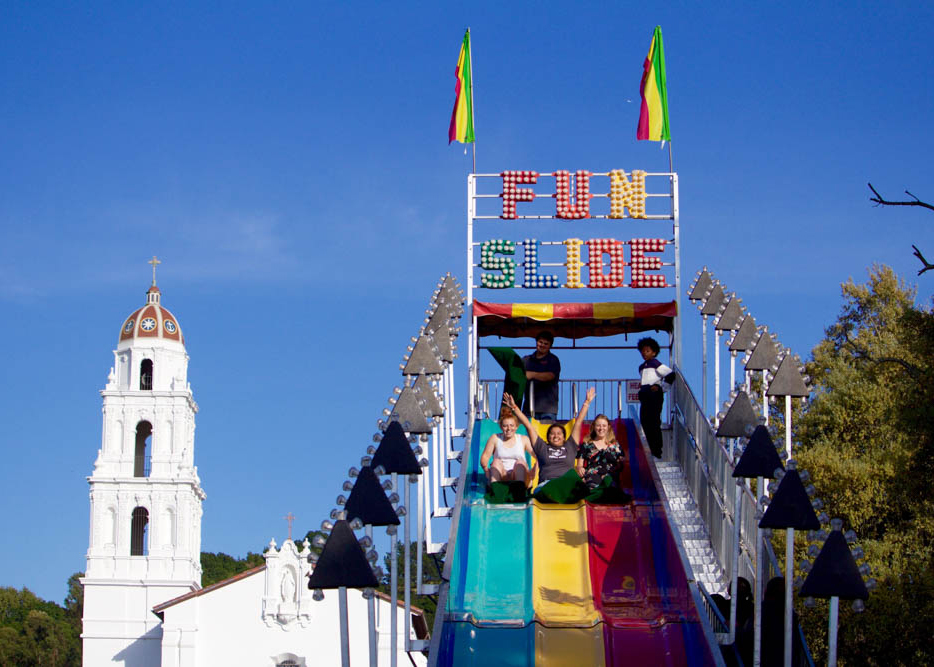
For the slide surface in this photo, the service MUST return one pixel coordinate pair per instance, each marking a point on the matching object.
(537, 584)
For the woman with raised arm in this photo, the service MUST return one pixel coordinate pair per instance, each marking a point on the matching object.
(503, 458)
(600, 454)
(557, 455)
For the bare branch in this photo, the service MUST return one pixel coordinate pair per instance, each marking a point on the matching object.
(881, 201)
(861, 354)
(927, 265)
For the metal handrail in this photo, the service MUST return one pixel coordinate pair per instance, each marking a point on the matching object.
(571, 392)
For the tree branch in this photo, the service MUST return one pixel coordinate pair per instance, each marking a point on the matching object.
(927, 265)
(880, 201)
(860, 354)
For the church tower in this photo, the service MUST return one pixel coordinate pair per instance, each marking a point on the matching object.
(145, 538)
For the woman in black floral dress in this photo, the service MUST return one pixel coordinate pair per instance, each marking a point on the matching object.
(600, 454)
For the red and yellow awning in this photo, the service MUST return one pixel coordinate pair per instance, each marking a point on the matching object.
(572, 320)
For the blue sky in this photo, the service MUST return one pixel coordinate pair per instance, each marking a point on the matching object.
(289, 164)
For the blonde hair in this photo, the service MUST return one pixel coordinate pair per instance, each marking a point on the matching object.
(610, 436)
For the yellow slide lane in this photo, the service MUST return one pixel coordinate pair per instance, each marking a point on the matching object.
(569, 647)
(561, 592)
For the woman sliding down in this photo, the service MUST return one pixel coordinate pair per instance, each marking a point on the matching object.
(556, 457)
(600, 455)
(507, 451)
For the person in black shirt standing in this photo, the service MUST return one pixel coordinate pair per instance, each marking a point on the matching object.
(543, 370)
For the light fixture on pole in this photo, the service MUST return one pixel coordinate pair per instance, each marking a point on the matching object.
(835, 575)
(759, 460)
(342, 564)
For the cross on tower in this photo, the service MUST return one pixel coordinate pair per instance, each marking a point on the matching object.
(154, 263)
(290, 518)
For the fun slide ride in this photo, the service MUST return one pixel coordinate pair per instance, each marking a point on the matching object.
(582, 584)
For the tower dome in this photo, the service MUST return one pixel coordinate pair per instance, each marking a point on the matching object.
(151, 322)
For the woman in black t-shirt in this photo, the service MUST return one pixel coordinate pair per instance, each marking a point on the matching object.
(557, 455)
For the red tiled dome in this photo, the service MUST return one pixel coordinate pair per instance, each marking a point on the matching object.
(151, 321)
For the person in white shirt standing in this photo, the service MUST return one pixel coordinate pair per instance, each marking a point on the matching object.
(653, 374)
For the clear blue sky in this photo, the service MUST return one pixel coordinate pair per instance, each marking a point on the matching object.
(289, 164)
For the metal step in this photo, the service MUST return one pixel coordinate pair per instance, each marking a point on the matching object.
(694, 536)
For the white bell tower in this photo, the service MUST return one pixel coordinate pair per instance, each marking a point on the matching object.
(145, 538)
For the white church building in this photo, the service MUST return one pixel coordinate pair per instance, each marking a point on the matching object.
(143, 601)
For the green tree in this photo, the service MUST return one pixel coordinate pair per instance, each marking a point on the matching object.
(216, 567)
(431, 574)
(866, 438)
(36, 632)
(219, 566)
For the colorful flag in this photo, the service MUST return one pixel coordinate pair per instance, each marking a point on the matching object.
(461, 128)
(653, 116)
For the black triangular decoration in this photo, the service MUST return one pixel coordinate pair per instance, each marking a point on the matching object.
(700, 286)
(713, 302)
(737, 418)
(764, 354)
(790, 506)
(394, 452)
(424, 359)
(730, 318)
(440, 318)
(442, 338)
(760, 458)
(834, 573)
(742, 339)
(424, 390)
(410, 413)
(788, 381)
(368, 501)
(342, 562)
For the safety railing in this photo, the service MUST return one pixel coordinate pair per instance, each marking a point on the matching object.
(610, 398)
(707, 468)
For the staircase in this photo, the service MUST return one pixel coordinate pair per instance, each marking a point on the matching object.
(694, 537)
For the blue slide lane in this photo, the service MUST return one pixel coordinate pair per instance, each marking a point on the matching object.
(491, 575)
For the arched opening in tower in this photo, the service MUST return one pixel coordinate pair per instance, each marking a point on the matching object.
(145, 375)
(138, 545)
(143, 454)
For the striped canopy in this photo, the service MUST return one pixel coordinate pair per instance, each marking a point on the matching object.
(572, 320)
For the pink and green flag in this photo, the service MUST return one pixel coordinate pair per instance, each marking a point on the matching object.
(461, 128)
(653, 116)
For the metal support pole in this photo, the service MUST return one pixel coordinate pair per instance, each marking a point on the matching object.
(737, 521)
(421, 528)
(832, 632)
(732, 370)
(407, 578)
(757, 609)
(716, 377)
(345, 634)
(371, 614)
(789, 571)
(676, 224)
(789, 548)
(394, 589)
(765, 399)
(704, 362)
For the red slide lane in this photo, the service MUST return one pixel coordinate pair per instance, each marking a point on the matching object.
(638, 581)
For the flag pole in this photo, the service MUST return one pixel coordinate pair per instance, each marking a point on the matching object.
(471, 98)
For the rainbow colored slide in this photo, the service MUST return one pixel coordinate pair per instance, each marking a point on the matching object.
(548, 585)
